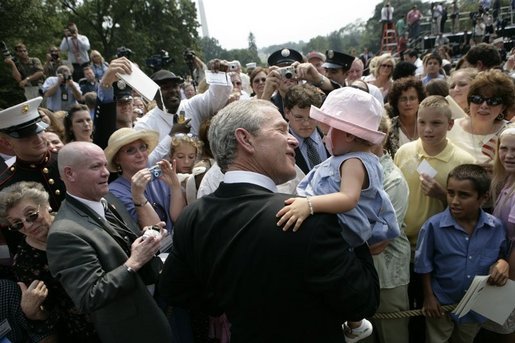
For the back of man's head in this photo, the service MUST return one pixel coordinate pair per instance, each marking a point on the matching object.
(483, 56)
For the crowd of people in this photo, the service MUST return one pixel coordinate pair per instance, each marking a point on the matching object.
(283, 203)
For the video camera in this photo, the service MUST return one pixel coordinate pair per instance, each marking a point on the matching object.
(5, 50)
(159, 60)
(124, 52)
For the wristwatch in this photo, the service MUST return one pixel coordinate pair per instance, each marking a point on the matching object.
(130, 270)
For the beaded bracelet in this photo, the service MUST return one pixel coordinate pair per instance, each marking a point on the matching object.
(310, 206)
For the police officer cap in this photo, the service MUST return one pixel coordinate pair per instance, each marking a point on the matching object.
(122, 91)
(22, 120)
(336, 60)
(165, 75)
(284, 57)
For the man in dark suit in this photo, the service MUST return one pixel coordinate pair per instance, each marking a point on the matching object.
(230, 256)
(98, 255)
(297, 103)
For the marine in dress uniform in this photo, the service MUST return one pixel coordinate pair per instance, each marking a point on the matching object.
(18, 123)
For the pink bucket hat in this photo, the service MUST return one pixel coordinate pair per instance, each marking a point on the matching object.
(353, 111)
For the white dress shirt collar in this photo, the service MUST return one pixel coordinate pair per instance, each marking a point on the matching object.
(239, 176)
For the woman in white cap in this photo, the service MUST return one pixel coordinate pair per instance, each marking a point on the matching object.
(149, 194)
(363, 207)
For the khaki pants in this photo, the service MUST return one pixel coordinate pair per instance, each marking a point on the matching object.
(391, 330)
(442, 330)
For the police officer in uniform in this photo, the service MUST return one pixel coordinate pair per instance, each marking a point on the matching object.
(281, 78)
(22, 130)
(337, 65)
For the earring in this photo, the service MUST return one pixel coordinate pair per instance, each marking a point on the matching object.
(500, 117)
(119, 168)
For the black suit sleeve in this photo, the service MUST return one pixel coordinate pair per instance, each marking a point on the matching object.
(344, 277)
(105, 123)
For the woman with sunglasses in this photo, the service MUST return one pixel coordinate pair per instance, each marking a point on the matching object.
(150, 194)
(257, 81)
(382, 75)
(490, 94)
(24, 208)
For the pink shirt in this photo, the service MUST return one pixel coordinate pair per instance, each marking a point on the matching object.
(413, 16)
(505, 210)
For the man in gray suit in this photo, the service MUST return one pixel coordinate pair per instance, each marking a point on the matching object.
(98, 259)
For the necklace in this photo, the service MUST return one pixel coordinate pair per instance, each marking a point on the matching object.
(404, 129)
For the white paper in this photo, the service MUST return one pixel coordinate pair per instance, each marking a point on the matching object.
(493, 302)
(425, 167)
(217, 78)
(456, 110)
(140, 82)
(474, 290)
(496, 303)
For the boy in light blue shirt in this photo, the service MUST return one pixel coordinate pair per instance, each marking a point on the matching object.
(453, 247)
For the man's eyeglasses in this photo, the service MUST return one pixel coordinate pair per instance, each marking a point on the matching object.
(30, 218)
(133, 150)
(478, 100)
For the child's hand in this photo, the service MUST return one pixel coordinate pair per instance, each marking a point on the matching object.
(295, 211)
(432, 188)
(499, 273)
(432, 308)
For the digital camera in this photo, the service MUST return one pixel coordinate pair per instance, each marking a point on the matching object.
(233, 66)
(65, 77)
(155, 172)
(287, 72)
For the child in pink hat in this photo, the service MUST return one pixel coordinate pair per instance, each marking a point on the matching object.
(350, 182)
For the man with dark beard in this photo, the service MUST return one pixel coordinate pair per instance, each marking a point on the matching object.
(197, 109)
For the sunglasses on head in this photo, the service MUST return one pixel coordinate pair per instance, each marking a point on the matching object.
(478, 100)
(30, 218)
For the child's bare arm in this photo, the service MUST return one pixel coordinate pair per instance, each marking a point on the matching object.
(298, 209)
(499, 273)
(431, 307)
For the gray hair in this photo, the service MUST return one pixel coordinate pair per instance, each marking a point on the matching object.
(23, 190)
(245, 114)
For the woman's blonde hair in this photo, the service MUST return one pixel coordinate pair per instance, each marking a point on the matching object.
(186, 138)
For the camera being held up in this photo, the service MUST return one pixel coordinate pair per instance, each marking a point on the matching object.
(65, 77)
(159, 61)
(155, 172)
(287, 72)
(124, 52)
(5, 50)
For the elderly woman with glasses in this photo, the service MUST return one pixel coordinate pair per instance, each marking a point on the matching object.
(150, 194)
(24, 208)
(490, 94)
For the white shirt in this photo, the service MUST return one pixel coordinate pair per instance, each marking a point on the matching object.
(199, 108)
(81, 44)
